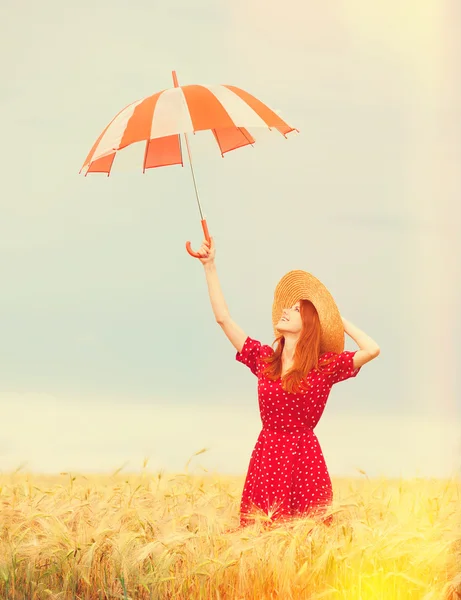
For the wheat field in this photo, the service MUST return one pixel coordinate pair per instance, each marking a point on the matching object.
(163, 536)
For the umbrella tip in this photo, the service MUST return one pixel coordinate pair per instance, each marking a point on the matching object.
(175, 79)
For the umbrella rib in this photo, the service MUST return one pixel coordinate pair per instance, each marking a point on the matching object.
(245, 135)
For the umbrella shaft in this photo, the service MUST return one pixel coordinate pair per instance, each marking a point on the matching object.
(176, 84)
(193, 175)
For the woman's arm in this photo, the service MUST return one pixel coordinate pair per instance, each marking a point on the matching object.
(368, 348)
(234, 333)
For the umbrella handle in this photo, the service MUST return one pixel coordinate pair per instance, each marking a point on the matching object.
(207, 237)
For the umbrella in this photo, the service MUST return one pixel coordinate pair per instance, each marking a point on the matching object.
(159, 120)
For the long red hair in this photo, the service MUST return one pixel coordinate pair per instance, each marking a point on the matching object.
(307, 352)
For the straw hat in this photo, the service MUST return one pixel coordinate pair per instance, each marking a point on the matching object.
(300, 285)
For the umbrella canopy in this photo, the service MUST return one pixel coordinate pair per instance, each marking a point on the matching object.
(159, 120)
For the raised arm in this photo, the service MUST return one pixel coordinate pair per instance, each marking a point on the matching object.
(235, 334)
(368, 348)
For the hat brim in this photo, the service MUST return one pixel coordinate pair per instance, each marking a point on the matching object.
(300, 285)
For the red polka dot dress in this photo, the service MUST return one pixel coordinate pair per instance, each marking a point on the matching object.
(287, 475)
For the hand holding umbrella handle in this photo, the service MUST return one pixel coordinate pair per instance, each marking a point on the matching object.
(207, 237)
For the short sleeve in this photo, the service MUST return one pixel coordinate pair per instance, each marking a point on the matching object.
(341, 367)
(250, 354)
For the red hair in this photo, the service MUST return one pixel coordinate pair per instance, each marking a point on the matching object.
(307, 352)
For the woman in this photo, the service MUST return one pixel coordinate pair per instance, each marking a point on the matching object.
(287, 475)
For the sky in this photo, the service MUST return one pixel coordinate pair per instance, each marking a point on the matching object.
(108, 347)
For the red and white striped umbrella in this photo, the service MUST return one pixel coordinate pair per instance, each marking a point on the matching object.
(159, 120)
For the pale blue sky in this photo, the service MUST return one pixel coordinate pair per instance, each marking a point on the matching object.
(102, 308)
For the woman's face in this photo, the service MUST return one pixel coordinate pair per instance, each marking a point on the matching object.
(290, 321)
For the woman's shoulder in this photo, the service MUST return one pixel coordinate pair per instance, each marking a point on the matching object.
(255, 346)
(267, 349)
(252, 354)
